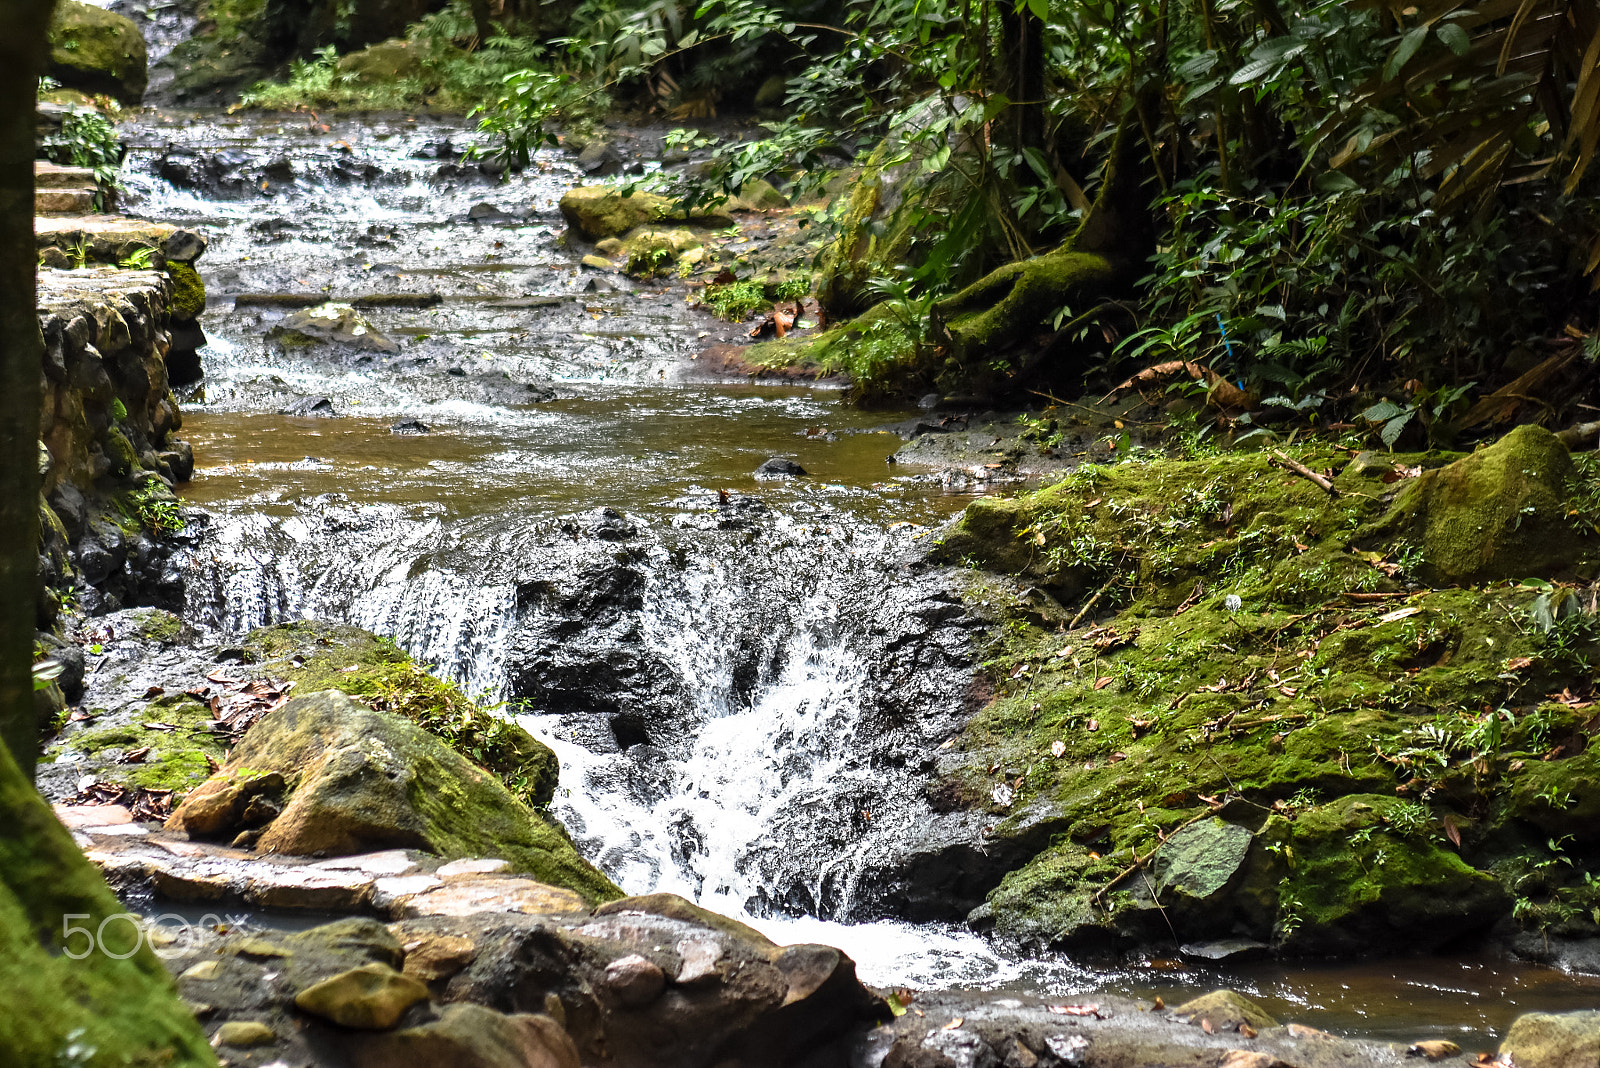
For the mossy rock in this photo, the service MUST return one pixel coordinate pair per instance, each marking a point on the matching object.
(386, 61)
(188, 292)
(99, 1011)
(315, 655)
(183, 750)
(1254, 641)
(97, 51)
(1357, 875)
(597, 212)
(360, 780)
(1499, 513)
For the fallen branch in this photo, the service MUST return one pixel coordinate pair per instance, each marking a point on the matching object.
(1374, 596)
(1305, 472)
(1574, 436)
(1093, 601)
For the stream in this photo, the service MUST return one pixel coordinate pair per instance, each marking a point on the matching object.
(743, 692)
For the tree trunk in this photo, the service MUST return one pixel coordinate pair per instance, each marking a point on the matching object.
(480, 20)
(1022, 56)
(22, 54)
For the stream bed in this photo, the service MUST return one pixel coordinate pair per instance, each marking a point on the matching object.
(568, 520)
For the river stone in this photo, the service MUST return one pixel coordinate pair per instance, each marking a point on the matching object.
(1225, 1010)
(361, 780)
(635, 980)
(600, 211)
(244, 1034)
(780, 467)
(337, 323)
(1553, 1040)
(1199, 861)
(97, 51)
(471, 1036)
(1500, 513)
(372, 997)
(384, 62)
(438, 956)
(219, 804)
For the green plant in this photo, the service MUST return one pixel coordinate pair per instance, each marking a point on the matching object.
(88, 139)
(46, 672)
(156, 509)
(735, 300)
(138, 259)
(119, 411)
(648, 262)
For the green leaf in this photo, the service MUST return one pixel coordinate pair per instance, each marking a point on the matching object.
(947, 80)
(1404, 51)
(1336, 182)
(1454, 37)
(1381, 411)
(1040, 9)
(1198, 66)
(1391, 430)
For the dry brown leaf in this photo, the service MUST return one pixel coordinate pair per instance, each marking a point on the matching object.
(1077, 1010)
(1399, 613)
(953, 1024)
(1159, 1003)
(1247, 1031)
(1057, 748)
(1102, 682)
(1207, 1026)
(1517, 663)
(1451, 831)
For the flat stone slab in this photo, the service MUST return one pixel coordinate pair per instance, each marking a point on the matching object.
(397, 883)
(48, 175)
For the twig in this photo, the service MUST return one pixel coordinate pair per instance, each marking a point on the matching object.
(1093, 601)
(1140, 862)
(1305, 472)
(1375, 596)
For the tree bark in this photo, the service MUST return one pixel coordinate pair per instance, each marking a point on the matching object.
(23, 50)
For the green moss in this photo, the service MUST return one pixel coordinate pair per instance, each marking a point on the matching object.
(318, 656)
(97, 51)
(179, 759)
(119, 450)
(97, 1011)
(188, 291)
(1337, 673)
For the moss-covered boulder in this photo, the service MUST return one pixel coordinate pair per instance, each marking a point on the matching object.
(359, 780)
(386, 61)
(95, 1010)
(1499, 513)
(1553, 1040)
(1256, 667)
(318, 656)
(96, 51)
(596, 212)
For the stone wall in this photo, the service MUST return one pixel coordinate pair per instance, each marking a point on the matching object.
(108, 453)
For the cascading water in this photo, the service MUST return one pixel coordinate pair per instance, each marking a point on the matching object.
(743, 696)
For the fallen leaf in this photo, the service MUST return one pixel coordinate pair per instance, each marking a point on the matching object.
(1057, 748)
(947, 743)
(1116, 758)
(1399, 613)
(1077, 1010)
(1452, 832)
(1247, 1031)
(953, 1024)
(1207, 1026)
(1158, 1003)
(136, 756)
(1517, 663)
(1094, 724)
(154, 691)
(1434, 1049)
(1102, 682)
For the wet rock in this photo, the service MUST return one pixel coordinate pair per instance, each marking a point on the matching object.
(1230, 949)
(1198, 862)
(780, 467)
(1553, 1040)
(488, 213)
(599, 263)
(227, 802)
(434, 957)
(634, 980)
(471, 1036)
(356, 783)
(244, 1034)
(311, 406)
(599, 159)
(410, 426)
(97, 51)
(339, 324)
(1224, 1010)
(183, 246)
(372, 997)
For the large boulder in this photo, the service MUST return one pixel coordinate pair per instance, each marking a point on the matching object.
(338, 324)
(1500, 513)
(98, 52)
(356, 780)
(1553, 1040)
